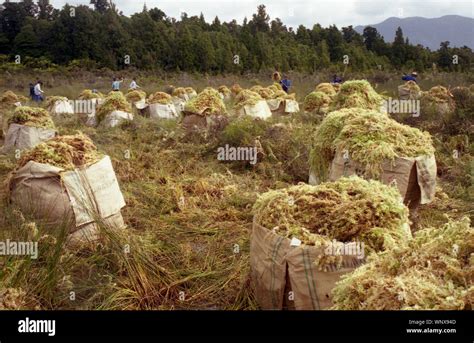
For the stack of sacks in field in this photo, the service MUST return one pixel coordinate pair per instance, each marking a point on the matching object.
(180, 97)
(225, 92)
(191, 93)
(27, 127)
(137, 98)
(279, 102)
(57, 105)
(114, 110)
(93, 99)
(409, 91)
(434, 272)
(438, 101)
(205, 112)
(372, 145)
(358, 94)
(66, 183)
(9, 98)
(317, 102)
(250, 103)
(160, 105)
(235, 89)
(304, 238)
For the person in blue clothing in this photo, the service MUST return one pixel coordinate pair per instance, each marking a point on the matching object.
(116, 84)
(285, 83)
(32, 91)
(336, 79)
(411, 77)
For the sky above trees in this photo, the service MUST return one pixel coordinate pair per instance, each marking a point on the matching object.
(296, 12)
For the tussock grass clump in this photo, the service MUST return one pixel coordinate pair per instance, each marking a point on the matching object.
(357, 93)
(88, 94)
(371, 139)
(247, 98)
(208, 102)
(51, 100)
(324, 149)
(135, 95)
(350, 209)
(316, 101)
(115, 101)
(10, 98)
(67, 152)
(160, 98)
(326, 88)
(434, 272)
(31, 116)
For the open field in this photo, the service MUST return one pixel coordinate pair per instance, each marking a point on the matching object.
(189, 215)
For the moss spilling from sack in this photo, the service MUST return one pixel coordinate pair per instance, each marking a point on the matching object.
(371, 140)
(326, 88)
(190, 91)
(51, 100)
(208, 102)
(434, 272)
(179, 92)
(439, 94)
(350, 209)
(67, 152)
(224, 90)
(265, 93)
(282, 95)
(115, 101)
(275, 87)
(160, 98)
(357, 93)
(324, 149)
(412, 86)
(236, 89)
(31, 116)
(135, 95)
(316, 101)
(88, 94)
(10, 98)
(247, 98)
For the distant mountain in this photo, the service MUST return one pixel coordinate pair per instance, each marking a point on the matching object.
(429, 32)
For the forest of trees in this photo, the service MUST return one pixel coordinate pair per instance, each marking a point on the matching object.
(100, 36)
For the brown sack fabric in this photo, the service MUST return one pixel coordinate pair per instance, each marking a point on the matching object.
(415, 177)
(278, 268)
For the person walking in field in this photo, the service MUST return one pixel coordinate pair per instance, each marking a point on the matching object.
(38, 92)
(336, 79)
(116, 84)
(411, 77)
(133, 85)
(285, 83)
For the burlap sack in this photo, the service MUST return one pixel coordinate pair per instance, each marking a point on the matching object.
(61, 107)
(285, 276)
(179, 104)
(77, 198)
(415, 177)
(141, 104)
(167, 111)
(114, 118)
(25, 137)
(291, 106)
(283, 107)
(405, 93)
(192, 122)
(259, 110)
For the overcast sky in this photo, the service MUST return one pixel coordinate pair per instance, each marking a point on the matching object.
(296, 12)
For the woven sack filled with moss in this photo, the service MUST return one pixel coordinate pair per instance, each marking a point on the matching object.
(114, 110)
(305, 238)
(374, 146)
(437, 102)
(250, 103)
(409, 91)
(27, 127)
(204, 112)
(161, 105)
(317, 102)
(57, 105)
(67, 182)
(357, 94)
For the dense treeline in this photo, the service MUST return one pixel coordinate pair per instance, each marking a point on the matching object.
(102, 37)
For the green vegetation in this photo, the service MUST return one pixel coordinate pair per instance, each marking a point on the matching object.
(31, 116)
